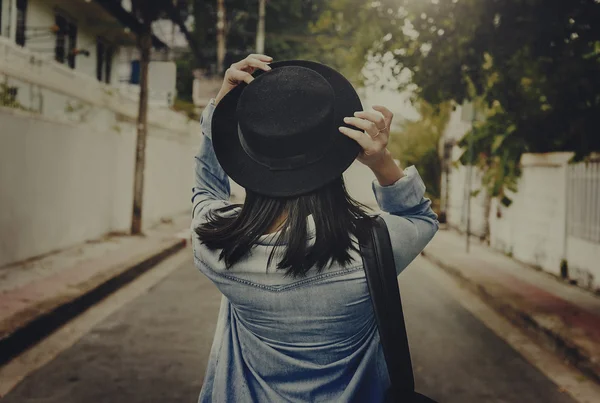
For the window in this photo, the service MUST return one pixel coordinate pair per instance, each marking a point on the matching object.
(104, 56)
(108, 64)
(66, 40)
(21, 22)
(72, 32)
(100, 50)
(59, 49)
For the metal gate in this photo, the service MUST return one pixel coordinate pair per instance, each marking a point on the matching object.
(583, 201)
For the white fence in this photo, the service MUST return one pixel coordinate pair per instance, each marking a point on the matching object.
(67, 147)
(533, 228)
(584, 201)
(583, 223)
(554, 218)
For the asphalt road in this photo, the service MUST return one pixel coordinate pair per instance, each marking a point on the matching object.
(155, 348)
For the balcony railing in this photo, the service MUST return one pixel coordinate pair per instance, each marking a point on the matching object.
(36, 83)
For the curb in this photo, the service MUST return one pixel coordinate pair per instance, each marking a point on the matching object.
(566, 348)
(65, 309)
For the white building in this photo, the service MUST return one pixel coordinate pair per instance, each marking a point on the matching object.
(93, 37)
(68, 128)
(83, 35)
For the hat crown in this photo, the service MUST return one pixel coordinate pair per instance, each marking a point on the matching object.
(286, 112)
(251, 154)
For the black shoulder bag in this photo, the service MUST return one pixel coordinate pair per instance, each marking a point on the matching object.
(378, 261)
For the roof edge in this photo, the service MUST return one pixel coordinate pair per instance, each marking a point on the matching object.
(128, 19)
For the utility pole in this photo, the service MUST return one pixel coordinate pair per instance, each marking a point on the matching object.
(146, 12)
(260, 29)
(221, 45)
(145, 45)
(474, 118)
(171, 52)
(445, 180)
(470, 179)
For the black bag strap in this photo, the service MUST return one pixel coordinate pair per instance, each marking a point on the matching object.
(380, 269)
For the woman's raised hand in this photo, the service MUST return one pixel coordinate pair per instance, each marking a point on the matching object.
(373, 135)
(242, 72)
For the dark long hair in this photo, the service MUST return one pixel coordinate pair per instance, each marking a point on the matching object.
(336, 215)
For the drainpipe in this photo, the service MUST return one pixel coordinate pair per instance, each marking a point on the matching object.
(470, 179)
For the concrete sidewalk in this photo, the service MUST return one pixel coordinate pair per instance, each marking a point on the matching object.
(562, 316)
(39, 295)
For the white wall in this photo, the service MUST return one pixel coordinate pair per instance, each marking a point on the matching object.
(583, 257)
(63, 183)
(67, 148)
(39, 15)
(5, 10)
(87, 64)
(532, 228)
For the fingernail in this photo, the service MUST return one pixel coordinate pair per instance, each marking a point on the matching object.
(356, 113)
(346, 119)
(341, 128)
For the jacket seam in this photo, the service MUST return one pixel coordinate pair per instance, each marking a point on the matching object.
(297, 284)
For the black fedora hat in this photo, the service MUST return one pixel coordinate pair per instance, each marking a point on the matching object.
(278, 136)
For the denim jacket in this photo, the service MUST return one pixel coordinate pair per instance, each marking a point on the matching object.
(310, 339)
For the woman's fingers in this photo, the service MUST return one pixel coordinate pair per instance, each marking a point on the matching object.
(376, 126)
(261, 57)
(256, 61)
(376, 118)
(241, 71)
(237, 76)
(259, 64)
(387, 114)
(368, 126)
(362, 138)
(251, 62)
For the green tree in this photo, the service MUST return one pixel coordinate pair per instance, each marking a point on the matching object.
(288, 29)
(417, 144)
(345, 35)
(287, 26)
(533, 65)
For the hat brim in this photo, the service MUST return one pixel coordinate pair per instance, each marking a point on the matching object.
(277, 183)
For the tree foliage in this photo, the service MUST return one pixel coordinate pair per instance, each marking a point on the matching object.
(288, 33)
(287, 27)
(531, 65)
(535, 61)
(343, 36)
(417, 144)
